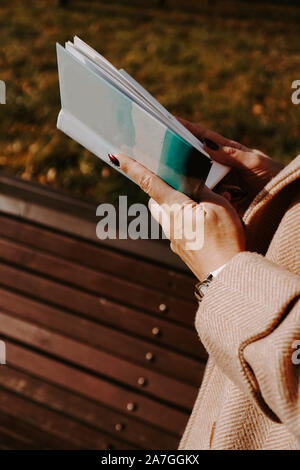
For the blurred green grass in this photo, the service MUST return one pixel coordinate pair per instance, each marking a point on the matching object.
(228, 64)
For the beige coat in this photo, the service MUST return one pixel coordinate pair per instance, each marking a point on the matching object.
(248, 322)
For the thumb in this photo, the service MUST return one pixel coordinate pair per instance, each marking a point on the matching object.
(207, 195)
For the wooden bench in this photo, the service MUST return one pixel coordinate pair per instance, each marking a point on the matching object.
(101, 348)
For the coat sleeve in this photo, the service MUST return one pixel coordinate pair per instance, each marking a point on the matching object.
(249, 322)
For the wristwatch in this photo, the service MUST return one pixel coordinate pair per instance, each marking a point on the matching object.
(202, 286)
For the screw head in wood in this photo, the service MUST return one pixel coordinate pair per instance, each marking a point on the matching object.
(142, 381)
(130, 406)
(149, 356)
(155, 331)
(119, 427)
(162, 308)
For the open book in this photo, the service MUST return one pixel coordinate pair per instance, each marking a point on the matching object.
(108, 112)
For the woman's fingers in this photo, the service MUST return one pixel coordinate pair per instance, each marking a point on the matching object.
(154, 186)
(225, 151)
(203, 133)
(161, 217)
(241, 158)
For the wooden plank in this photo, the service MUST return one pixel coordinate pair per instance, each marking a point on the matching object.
(98, 257)
(97, 389)
(8, 441)
(90, 413)
(12, 438)
(109, 286)
(184, 368)
(103, 310)
(57, 424)
(41, 439)
(101, 362)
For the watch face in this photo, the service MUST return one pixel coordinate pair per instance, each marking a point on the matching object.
(203, 289)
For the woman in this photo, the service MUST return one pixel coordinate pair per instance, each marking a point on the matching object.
(249, 311)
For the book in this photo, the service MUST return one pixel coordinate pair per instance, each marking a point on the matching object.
(108, 112)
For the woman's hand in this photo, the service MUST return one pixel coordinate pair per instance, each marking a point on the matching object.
(185, 222)
(251, 169)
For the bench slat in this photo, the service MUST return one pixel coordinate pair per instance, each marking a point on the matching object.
(13, 442)
(100, 283)
(98, 257)
(95, 388)
(102, 310)
(101, 362)
(57, 424)
(118, 343)
(88, 412)
(41, 439)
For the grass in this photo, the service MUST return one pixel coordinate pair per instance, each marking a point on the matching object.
(228, 64)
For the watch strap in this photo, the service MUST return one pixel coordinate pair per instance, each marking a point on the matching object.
(202, 286)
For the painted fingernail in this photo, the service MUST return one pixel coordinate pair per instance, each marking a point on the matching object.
(211, 144)
(114, 159)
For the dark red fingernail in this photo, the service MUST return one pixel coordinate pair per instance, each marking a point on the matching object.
(211, 144)
(114, 159)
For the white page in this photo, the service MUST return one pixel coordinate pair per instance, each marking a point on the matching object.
(121, 87)
(138, 92)
(126, 79)
(159, 106)
(115, 79)
(136, 88)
